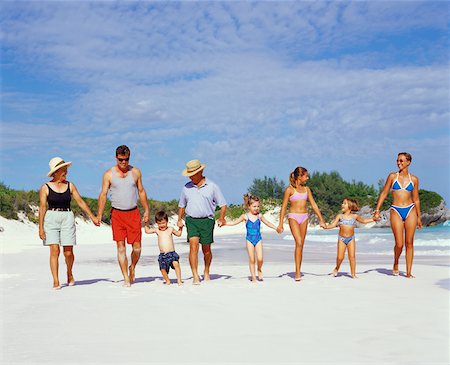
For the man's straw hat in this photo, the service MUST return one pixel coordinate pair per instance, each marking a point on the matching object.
(192, 167)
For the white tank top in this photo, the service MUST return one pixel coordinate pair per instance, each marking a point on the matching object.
(123, 191)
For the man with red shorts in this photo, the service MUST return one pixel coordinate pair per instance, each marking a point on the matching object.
(124, 183)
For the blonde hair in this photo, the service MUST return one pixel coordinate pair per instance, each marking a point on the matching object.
(249, 199)
(407, 155)
(299, 171)
(352, 204)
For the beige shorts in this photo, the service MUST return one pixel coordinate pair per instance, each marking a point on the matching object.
(59, 228)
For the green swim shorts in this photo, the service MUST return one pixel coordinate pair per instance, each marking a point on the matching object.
(202, 228)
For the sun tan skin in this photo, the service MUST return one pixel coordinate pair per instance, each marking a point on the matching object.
(194, 242)
(403, 231)
(59, 184)
(252, 251)
(298, 230)
(346, 231)
(122, 169)
(165, 244)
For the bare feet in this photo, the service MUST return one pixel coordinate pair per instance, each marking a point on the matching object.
(196, 280)
(410, 276)
(180, 283)
(206, 276)
(131, 273)
(56, 287)
(298, 277)
(354, 277)
(260, 275)
(126, 284)
(395, 271)
(334, 272)
(70, 279)
(253, 279)
(166, 282)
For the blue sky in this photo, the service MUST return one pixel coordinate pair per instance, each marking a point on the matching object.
(249, 88)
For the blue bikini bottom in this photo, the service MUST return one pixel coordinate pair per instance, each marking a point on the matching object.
(403, 212)
(346, 240)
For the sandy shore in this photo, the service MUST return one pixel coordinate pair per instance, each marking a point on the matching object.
(377, 318)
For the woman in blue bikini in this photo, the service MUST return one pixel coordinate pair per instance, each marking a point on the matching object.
(346, 237)
(297, 194)
(253, 221)
(404, 211)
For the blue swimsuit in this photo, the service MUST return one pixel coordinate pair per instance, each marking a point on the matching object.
(403, 212)
(347, 222)
(253, 231)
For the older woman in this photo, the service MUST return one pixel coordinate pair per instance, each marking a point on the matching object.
(404, 211)
(57, 222)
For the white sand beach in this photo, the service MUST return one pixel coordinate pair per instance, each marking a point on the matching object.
(377, 318)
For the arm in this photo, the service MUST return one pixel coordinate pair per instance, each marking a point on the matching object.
(43, 194)
(142, 194)
(221, 221)
(267, 223)
(149, 230)
(364, 220)
(181, 212)
(287, 194)
(178, 232)
(416, 200)
(237, 221)
(333, 224)
(106, 183)
(384, 193)
(82, 204)
(315, 208)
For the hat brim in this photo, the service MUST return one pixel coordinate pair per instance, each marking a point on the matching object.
(186, 173)
(52, 171)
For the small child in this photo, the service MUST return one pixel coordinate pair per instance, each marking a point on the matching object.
(168, 258)
(346, 237)
(253, 221)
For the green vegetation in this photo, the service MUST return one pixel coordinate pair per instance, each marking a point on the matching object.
(269, 187)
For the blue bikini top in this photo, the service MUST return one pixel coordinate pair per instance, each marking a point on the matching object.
(396, 184)
(347, 222)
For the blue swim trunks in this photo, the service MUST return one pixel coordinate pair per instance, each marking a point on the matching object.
(166, 260)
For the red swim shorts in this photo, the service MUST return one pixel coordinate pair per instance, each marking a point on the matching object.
(126, 225)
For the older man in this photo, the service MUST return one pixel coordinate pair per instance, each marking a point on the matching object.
(198, 201)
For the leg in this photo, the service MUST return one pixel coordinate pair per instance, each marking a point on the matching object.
(340, 256)
(165, 276)
(299, 233)
(352, 257)
(193, 258)
(54, 256)
(410, 230)
(135, 255)
(176, 266)
(70, 258)
(251, 260)
(207, 256)
(397, 230)
(259, 259)
(123, 262)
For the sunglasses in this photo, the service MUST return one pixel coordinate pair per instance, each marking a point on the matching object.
(123, 159)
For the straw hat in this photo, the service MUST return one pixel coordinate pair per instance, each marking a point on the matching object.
(55, 164)
(192, 167)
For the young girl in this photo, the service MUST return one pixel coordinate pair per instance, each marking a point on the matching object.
(346, 237)
(297, 194)
(253, 221)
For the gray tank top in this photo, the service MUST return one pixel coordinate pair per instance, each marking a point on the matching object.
(123, 191)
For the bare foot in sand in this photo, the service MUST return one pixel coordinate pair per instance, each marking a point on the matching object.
(260, 275)
(196, 280)
(410, 276)
(131, 273)
(167, 282)
(298, 277)
(126, 284)
(56, 286)
(70, 279)
(395, 271)
(206, 276)
(354, 277)
(334, 272)
(180, 283)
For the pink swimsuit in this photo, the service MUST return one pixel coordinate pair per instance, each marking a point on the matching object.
(298, 217)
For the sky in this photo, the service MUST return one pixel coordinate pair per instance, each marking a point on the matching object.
(252, 89)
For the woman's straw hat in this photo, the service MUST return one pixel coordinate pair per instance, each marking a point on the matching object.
(192, 167)
(55, 164)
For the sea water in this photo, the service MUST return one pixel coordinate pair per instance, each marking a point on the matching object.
(431, 245)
